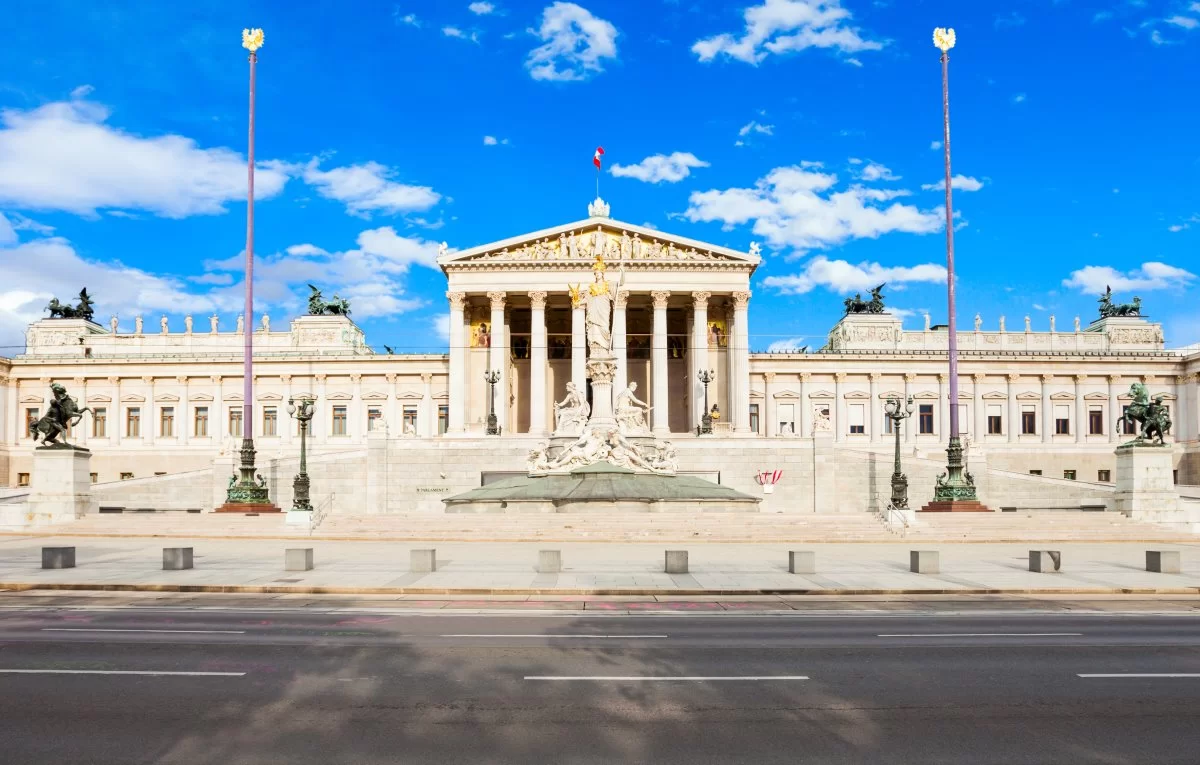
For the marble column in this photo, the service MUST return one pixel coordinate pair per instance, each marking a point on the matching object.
(1047, 411)
(1180, 429)
(873, 427)
(699, 355)
(658, 362)
(538, 363)
(322, 414)
(284, 422)
(579, 343)
(427, 416)
(739, 349)
(770, 419)
(358, 421)
(804, 423)
(149, 414)
(1080, 429)
(619, 342)
(80, 393)
(116, 422)
(1013, 426)
(912, 424)
(458, 362)
(979, 409)
(840, 424)
(498, 357)
(1114, 407)
(12, 417)
(943, 423)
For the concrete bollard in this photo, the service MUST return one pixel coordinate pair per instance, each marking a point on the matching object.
(802, 562)
(1162, 561)
(924, 561)
(1045, 561)
(58, 557)
(677, 562)
(549, 561)
(177, 558)
(423, 560)
(298, 559)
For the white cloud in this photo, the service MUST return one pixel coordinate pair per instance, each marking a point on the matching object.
(783, 26)
(958, 183)
(575, 43)
(8, 234)
(302, 250)
(410, 19)
(1152, 275)
(1176, 228)
(367, 188)
(873, 171)
(1018, 98)
(791, 344)
(661, 168)
(481, 8)
(1102, 16)
(62, 156)
(83, 91)
(460, 34)
(842, 276)
(800, 208)
(935, 145)
(440, 324)
(491, 140)
(754, 126)
(1185, 22)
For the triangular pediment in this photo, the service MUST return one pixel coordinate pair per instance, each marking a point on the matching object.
(573, 245)
(786, 394)
(1096, 397)
(1062, 396)
(200, 397)
(339, 396)
(409, 395)
(821, 394)
(374, 396)
(925, 395)
(166, 397)
(995, 395)
(891, 394)
(31, 400)
(133, 398)
(1029, 396)
(856, 395)
(99, 398)
(269, 397)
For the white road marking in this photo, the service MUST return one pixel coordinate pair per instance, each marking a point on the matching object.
(102, 629)
(117, 672)
(982, 634)
(1144, 674)
(653, 679)
(559, 635)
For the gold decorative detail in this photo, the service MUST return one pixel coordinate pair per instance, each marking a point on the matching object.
(576, 293)
(943, 38)
(599, 264)
(252, 39)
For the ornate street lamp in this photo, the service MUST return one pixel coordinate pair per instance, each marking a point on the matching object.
(492, 376)
(302, 410)
(706, 376)
(898, 415)
(246, 494)
(955, 489)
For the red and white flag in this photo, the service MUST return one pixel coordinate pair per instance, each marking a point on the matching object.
(596, 157)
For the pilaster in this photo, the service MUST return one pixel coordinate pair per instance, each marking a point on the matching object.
(658, 363)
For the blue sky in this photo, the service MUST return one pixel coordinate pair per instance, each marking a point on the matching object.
(812, 127)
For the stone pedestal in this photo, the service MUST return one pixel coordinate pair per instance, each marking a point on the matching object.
(1145, 484)
(60, 489)
(422, 561)
(924, 561)
(802, 562)
(602, 370)
(676, 562)
(298, 559)
(1162, 561)
(549, 561)
(177, 558)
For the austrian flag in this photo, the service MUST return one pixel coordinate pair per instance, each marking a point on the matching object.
(596, 157)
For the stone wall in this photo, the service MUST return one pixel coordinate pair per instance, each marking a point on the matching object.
(177, 491)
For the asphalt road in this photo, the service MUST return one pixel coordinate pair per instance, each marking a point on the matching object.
(229, 686)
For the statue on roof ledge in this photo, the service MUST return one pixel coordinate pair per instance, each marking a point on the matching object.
(318, 306)
(857, 305)
(1108, 308)
(598, 209)
(82, 310)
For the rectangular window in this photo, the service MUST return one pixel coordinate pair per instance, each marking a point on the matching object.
(201, 430)
(22, 479)
(166, 421)
(339, 421)
(443, 418)
(754, 427)
(235, 421)
(374, 418)
(270, 425)
(93, 476)
(31, 416)
(1062, 419)
(964, 419)
(1028, 420)
(1096, 421)
(1129, 428)
(126, 476)
(100, 422)
(888, 425)
(409, 421)
(1104, 476)
(995, 419)
(1069, 475)
(133, 422)
(787, 419)
(857, 414)
(926, 419)
(1035, 472)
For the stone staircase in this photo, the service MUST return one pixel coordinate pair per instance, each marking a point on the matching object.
(638, 527)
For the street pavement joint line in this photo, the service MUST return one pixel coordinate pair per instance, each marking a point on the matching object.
(171, 632)
(1142, 675)
(560, 635)
(982, 634)
(665, 679)
(153, 673)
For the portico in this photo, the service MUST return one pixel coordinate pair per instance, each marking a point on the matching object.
(681, 306)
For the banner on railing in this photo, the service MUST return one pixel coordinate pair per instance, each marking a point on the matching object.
(767, 480)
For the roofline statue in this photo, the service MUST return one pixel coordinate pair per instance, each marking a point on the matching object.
(1108, 308)
(318, 306)
(84, 309)
(857, 305)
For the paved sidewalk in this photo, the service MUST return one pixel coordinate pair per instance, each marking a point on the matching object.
(589, 568)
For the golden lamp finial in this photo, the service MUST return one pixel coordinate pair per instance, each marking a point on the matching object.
(252, 39)
(943, 38)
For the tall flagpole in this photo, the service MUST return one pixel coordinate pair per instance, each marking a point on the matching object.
(246, 494)
(955, 489)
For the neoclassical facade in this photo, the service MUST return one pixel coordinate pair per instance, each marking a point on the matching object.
(168, 400)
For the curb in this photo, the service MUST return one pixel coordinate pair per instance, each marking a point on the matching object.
(273, 590)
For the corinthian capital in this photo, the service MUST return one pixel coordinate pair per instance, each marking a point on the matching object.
(622, 299)
(537, 300)
(660, 298)
(700, 300)
(458, 300)
(741, 299)
(497, 299)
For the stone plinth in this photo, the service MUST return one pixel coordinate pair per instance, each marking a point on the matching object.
(802, 562)
(866, 332)
(923, 561)
(1127, 333)
(1162, 561)
(423, 561)
(549, 561)
(1045, 561)
(177, 558)
(298, 559)
(60, 488)
(58, 557)
(1145, 483)
(676, 562)
(956, 506)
